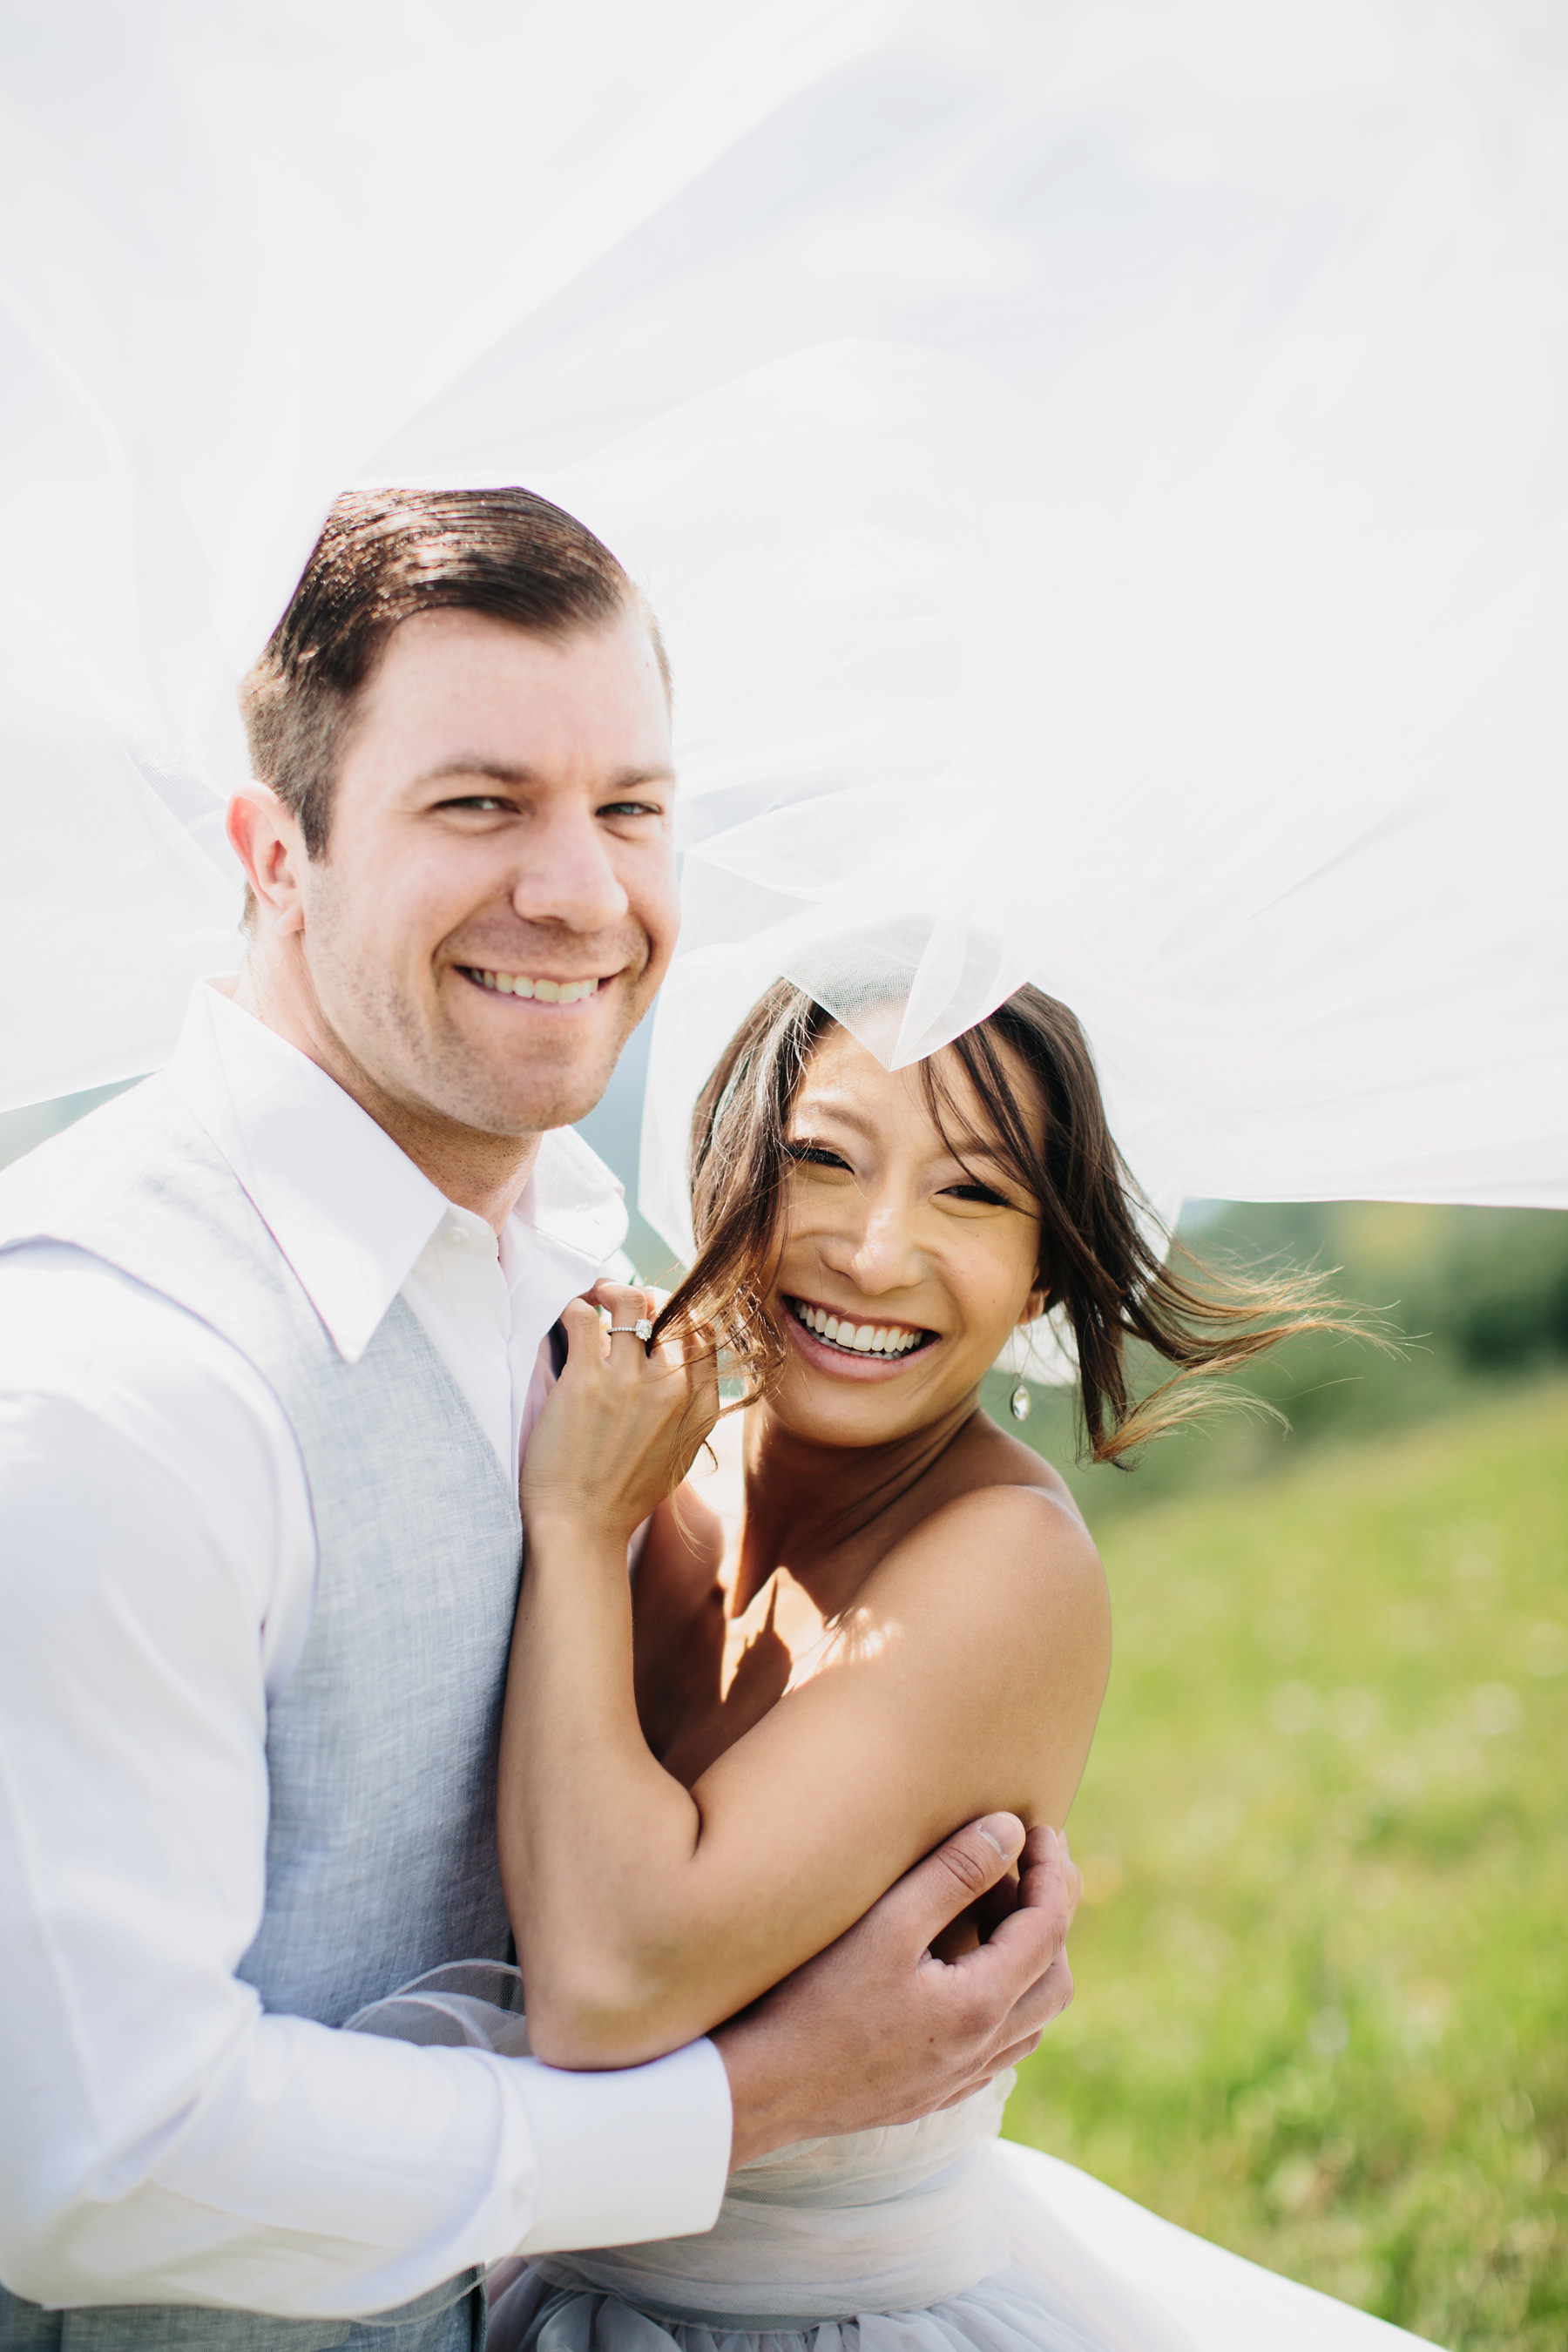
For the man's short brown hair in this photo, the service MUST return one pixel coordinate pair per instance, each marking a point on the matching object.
(384, 556)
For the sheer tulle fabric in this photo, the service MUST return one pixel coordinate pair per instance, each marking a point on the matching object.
(1100, 470)
(926, 2237)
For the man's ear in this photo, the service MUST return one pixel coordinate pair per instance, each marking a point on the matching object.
(267, 840)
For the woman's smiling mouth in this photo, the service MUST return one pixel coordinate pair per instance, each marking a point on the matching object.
(840, 1340)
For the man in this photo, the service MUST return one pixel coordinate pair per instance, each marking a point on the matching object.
(275, 1325)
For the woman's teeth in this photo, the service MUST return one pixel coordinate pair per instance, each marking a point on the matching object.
(861, 1338)
(548, 992)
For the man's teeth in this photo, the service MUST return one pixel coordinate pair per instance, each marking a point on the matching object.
(548, 992)
(863, 1339)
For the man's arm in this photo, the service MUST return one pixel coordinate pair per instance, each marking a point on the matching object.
(160, 2137)
(876, 2031)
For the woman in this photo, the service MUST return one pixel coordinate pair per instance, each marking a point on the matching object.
(906, 1627)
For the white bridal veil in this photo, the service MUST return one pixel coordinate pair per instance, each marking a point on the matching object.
(1101, 469)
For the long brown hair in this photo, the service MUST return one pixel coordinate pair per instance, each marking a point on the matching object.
(1103, 1260)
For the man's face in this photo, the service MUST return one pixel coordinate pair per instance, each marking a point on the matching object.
(496, 904)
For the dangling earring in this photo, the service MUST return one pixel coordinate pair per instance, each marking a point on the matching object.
(1020, 1401)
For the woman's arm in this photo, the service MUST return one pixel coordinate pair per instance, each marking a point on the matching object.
(966, 1680)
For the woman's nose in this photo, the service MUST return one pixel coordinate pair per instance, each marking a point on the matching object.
(882, 1252)
(568, 876)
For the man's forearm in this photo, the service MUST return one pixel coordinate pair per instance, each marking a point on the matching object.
(763, 2072)
(351, 2173)
(160, 2137)
(345, 2172)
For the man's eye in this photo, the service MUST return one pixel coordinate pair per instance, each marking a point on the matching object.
(486, 803)
(631, 808)
(815, 1155)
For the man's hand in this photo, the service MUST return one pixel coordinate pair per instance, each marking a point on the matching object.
(876, 2031)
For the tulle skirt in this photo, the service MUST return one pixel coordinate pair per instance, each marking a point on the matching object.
(1090, 2271)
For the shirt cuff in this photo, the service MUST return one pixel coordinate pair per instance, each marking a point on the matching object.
(638, 2153)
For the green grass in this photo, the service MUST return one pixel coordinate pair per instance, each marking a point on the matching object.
(1478, 1300)
(1322, 2011)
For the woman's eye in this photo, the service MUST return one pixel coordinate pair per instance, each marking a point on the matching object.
(815, 1155)
(982, 1193)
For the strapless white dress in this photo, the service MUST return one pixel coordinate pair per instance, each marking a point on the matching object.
(936, 2236)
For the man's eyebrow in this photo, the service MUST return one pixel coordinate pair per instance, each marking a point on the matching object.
(626, 780)
(496, 771)
(499, 771)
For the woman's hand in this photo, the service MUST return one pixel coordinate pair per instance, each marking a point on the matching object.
(623, 1426)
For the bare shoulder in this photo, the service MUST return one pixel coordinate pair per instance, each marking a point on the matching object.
(989, 1456)
(1002, 1619)
(1009, 1502)
(1010, 1536)
(1008, 1552)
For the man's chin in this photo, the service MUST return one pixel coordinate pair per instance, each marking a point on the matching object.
(526, 1086)
(530, 1104)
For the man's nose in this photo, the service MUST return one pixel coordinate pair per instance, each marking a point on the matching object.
(568, 876)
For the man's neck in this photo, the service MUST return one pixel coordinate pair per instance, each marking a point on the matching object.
(476, 1170)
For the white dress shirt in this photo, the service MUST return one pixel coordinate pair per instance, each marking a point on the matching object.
(161, 2138)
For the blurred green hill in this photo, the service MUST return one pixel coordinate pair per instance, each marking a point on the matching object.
(1322, 2010)
(1478, 1298)
(1324, 1830)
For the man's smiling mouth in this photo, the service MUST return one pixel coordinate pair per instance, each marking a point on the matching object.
(858, 1339)
(522, 983)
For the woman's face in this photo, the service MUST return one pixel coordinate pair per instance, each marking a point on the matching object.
(903, 1269)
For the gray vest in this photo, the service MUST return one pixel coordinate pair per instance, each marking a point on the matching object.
(381, 1751)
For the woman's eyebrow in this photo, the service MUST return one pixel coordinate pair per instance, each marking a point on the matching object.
(986, 1156)
(828, 1107)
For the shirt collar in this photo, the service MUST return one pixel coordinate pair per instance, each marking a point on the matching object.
(347, 1209)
